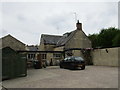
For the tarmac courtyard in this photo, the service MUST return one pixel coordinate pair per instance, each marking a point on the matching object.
(54, 77)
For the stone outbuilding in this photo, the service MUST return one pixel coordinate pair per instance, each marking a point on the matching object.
(12, 42)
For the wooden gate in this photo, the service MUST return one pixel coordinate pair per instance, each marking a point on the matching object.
(13, 64)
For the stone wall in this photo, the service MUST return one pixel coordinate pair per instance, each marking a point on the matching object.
(47, 47)
(106, 57)
(54, 60)
(41, 47)
(49, 56)
(79, 40)
(59, 48)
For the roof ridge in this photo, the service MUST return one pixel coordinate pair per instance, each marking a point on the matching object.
(52, 35)
(66, 39)
(13, 38)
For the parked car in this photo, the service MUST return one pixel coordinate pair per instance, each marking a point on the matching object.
(36, 64)
(73, 62)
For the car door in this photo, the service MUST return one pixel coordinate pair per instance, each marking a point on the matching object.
(67, 63)
(63, 63)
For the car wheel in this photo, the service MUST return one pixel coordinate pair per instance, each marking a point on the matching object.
(83, 67)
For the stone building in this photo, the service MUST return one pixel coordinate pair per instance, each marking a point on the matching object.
(12, 42)
(69, 44)
(48, 42)
(31, 55)
(47, 46)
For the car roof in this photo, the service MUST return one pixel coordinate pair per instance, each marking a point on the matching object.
(73, 56)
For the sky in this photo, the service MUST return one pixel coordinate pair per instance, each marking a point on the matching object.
(26, 21)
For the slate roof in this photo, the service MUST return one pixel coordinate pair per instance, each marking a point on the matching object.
(50, 39)
(63, 40)
(57, 40)
(32, 48)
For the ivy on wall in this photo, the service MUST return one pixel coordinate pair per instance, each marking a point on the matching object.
(87, 55)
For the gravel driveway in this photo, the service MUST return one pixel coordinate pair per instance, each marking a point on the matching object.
(54, 77)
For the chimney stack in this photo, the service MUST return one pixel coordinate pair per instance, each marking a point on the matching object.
(79, 25)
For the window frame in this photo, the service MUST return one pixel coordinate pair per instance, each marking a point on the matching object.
(57, 55)
(43, 56)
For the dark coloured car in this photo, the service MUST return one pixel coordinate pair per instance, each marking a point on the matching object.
(36, 64)
(73, 62)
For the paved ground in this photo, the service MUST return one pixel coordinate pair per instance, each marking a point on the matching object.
(54, 77)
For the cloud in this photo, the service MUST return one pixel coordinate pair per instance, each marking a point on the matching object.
(60, 21)
(27, 21)
(21, 18)
(5, 32)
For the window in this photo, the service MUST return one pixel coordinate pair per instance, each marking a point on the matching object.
(57, 55)
(43, 56)
(69, 53)
(31, 56)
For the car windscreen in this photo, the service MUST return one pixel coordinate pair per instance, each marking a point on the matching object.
(73, 58)
(68, 58)
(78, 58)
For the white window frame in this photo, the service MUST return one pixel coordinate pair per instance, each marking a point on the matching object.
(43, 56)
(57, 55)
(31, 56)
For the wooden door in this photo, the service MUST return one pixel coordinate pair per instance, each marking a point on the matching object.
(39, 59)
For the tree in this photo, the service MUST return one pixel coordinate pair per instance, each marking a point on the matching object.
(106, 38)
(94, 40)
(116, 40)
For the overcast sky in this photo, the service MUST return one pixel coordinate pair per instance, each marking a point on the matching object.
(28, 20)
